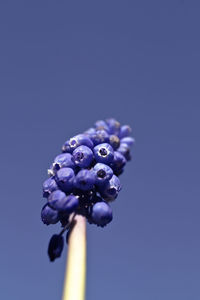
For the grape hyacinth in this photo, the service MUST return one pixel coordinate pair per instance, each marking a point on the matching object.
(84, 178)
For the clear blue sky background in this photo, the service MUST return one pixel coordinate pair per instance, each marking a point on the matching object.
(65, 64)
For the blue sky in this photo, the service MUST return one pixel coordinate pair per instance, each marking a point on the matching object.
(65, 64)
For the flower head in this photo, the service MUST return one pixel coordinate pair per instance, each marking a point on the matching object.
(85, 177)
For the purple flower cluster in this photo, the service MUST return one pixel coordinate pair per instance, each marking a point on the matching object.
(84, 178)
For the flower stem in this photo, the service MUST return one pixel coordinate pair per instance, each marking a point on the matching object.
(74, 285)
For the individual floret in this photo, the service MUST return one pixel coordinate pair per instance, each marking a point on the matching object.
(49, 186)
(114, 141)
(85, 180)
(125, 151)
(110, 191)
(76, 141)
(113, 126)
(65, 179)
(59, 201)
(99, 137)
(55, 246)
(90, 131)
(70, 204)
(103, 174)
(62, 161)
(104, 153)
(129, 141)
(82, 156)
(125, 130)
(101, 214)
(49, 215)
(101, 125)
(118, 162)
